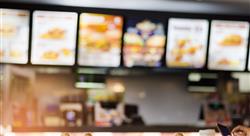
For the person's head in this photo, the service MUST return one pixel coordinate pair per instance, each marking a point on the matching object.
(88, 134)
(241, 131)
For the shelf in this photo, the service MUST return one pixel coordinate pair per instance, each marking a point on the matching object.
(113, 129)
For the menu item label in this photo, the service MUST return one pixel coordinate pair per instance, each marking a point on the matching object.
(228, 45)
(100, 40)
(54, 38)
(187, 43)
(144, 42)
(14, 33)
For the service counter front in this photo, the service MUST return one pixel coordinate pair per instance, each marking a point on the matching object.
(119, 131)
(109, 134)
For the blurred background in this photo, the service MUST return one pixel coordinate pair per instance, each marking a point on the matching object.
(134, 67)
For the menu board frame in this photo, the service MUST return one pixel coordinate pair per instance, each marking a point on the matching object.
(126, 13)
(248, 53)
(205, 36)
(132, 22)
(29, 28)
(244, 67)
(108, 16)
(74, 50)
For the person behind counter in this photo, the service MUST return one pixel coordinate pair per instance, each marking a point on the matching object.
(241, 131)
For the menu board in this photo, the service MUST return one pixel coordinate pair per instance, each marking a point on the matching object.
(54, 38)
(100, 40)
(144, 42)
(228, 45)
(187, 43)
(14, 33)
(249, 59)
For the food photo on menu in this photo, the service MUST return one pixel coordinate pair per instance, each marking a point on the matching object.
(187, 43)
(14, 34)
(144, 42)
(100, 40)
(54, 38)
(228, 45)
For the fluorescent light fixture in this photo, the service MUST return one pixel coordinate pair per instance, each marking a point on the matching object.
(119, 72)
(203, 89)
(198, 76)
(209, 75)
(194, 77)
(91, 71)
(89, 85)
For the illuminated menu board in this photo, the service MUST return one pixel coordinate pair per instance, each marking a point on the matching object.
(100, 40)
(249, 59)
(144, 42)
(228, 45)
(54, 38)
(14, 33)
(187, 43)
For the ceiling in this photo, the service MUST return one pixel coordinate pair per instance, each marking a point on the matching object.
(231, 7)
(234, 1)
(230, 0)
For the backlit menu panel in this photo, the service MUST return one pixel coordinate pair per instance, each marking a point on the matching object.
(54, 38)
(228, 45)
(187, 43)
(144, 42)
(249, 59)
(100, 40)
(14, 33)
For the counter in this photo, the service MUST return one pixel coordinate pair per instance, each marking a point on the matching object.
(109, 134)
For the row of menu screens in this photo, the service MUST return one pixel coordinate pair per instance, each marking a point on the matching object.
(100, 40)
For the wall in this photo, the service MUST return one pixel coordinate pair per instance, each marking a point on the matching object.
(163, 99)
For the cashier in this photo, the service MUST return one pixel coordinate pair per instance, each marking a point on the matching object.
(241, 131)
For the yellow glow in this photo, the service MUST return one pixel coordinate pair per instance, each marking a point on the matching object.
(117, 87)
